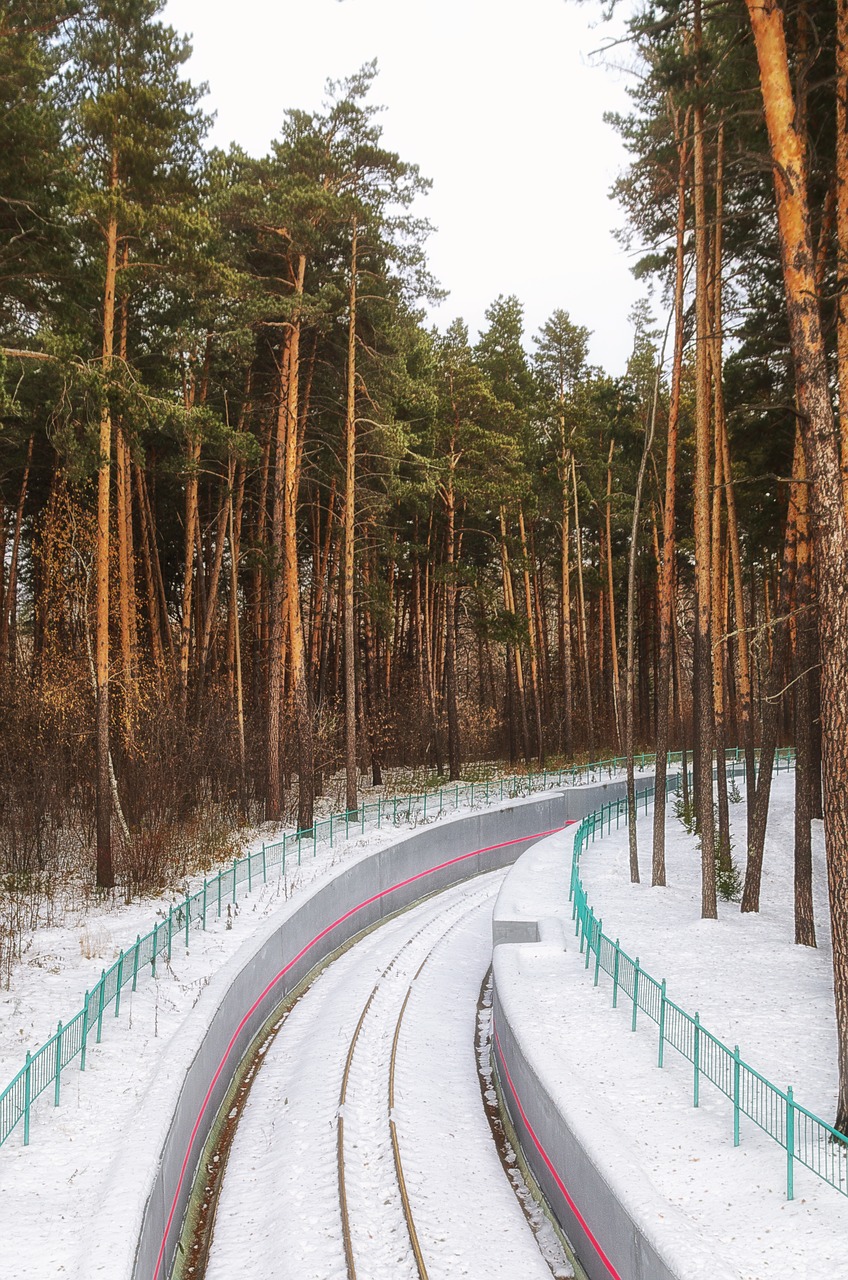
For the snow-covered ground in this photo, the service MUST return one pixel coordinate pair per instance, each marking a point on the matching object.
(60, 1177)
(282, 1181)
(715, 1208)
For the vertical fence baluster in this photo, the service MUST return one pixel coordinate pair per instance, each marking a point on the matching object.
(599, 935)
(205, 891)
(616, 963)
(187, 917)
(27, 1095)
(696, 1056)
(635, 994)
(120, 983)
(58, 1068)
(136, 953)
(84, 1037)
(100, 1004)
(170, 931)
(235, 871)
(662, 1024)
(790, 1144)
(264, 865)
(153, 956)
(736, 1096)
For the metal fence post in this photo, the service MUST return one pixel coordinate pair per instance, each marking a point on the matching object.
(58, 1069)
(790, 1144)
(219, 895)
(696, 1057)
(170, 931)
(599, 936)
(616, 963)
(249, 873)
(153, 955)
(662, 1024)
(736, 1096)
(187, 917)
(135, 960)
(27, 1095)
(120, 983)
(204, 902)
(635, 994)
(100, 1004)
(235, 868)
(264, 865)
(84, 1037)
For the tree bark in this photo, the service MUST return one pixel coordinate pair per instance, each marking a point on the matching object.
(9, 599)
(805, 926)
(351, 772)
(830, 524)
(704, 683)
(581, 606)
(300, 683)
(666, 584)
(616, 677)
(105, 870)
(532, 642)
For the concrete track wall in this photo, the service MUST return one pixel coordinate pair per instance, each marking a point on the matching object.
(601, 1197)
(208, 1048)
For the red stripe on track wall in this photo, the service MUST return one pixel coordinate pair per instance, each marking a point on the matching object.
(550, 1167)
(539, 835)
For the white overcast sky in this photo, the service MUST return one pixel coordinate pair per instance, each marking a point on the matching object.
(497, 101)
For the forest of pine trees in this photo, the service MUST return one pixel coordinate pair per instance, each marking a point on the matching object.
(261, 524)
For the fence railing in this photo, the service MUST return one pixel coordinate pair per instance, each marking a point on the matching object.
(72, 1039)
(806, 1139)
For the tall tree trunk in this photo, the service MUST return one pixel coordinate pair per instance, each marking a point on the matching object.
(842, 230)
(666, 587)
(581, 607)
(454, 754)
(509, 606)
(805, 926)
(274, 781)
(532, 643)
(704, 713)
(351, 774)
(650, 429)
(300, 683)
(565, 596)
(616, 678)
(126, 556)
(105, 871)
(10, 598)
(773, 697)
(830, 524)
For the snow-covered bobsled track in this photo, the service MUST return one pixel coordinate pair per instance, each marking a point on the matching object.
(363, 1149)
(151, 1183)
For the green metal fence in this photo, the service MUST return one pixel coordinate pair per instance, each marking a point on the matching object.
(72, 1039)
(805, 1137)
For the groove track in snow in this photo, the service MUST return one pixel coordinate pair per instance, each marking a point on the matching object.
(279, 1214)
